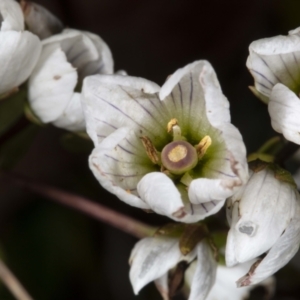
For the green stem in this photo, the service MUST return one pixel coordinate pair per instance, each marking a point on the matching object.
(95, 210)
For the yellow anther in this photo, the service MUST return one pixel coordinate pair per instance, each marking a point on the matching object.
(171, 124)
(203, 146)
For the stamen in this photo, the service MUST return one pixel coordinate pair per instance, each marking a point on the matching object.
(202, 147)
(151, 151)
(172, 123)
(175, 129)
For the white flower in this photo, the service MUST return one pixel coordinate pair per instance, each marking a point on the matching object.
(19, 49)
(65, 60)
(225, 286)
(275, 65)
(39, 20)
(144, 140)
(264, 217)
(155, 259)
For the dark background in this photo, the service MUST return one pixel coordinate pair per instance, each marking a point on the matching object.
(61, 254)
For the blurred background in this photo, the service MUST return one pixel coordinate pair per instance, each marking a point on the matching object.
(61, 254)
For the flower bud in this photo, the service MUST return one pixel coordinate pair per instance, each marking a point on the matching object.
(39, 20)
(65, 60)
(261, 214)
(159, 259)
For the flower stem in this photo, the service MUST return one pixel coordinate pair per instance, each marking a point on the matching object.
(92, 209)
(12, 283)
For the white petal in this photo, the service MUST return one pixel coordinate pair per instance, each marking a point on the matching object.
(295, 31)
(52, 83)
(275, 60)
(284, 109)
(262, 211)
(225, 287)
(19, 52)
(205, 273)
(87, 52)
(72, 117)
(194, 97)
(119, 166)
(160, 193)
(113, 101)
(195, 88)
(279, 255)
(209, 194)
(104, 64)
(12, 16)
(152, 258)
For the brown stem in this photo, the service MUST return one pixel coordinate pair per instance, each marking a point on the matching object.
(12, 283)
(95, 210)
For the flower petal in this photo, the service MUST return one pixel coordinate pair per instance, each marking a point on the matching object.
(190, 90)
(119, 165)
(160, 193)
(52, 83)
(284, 109)
(113, 101)
(104, 63)
(11, 16)
(86, 51)
(262, 211)
(194, 97)
(205, 273)
(19, 52)
(209, 194)
(279, 255)
(275, 60)
(72, 117)
(152, 258)
(225, 287)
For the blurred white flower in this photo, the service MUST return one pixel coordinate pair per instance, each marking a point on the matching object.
(19, 49)
(225, 286)
(263, 217)
(159, 259)
(54, 86)
(172, 149)
(39, 20)
(275, 65)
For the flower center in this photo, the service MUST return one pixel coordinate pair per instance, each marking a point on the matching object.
(179, 157)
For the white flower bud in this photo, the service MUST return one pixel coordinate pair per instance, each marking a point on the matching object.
(225, 286)
(65, 60)
(154, 257)
(261, 214)
(274, 64)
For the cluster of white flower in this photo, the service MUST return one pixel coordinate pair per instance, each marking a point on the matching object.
(171, 149)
